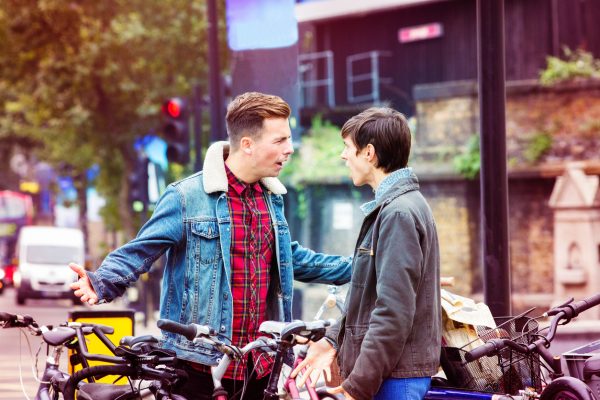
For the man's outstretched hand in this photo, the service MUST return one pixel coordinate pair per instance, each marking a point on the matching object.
(318, 360)
(83, 287)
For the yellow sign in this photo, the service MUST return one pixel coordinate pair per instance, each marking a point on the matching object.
(29, 187)
(123, 323)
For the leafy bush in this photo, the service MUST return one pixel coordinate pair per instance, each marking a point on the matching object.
(537, 146)
(318, 158)
(468, 163)
(577, 64)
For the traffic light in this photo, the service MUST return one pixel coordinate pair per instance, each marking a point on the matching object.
(176, 130)
(138, 184)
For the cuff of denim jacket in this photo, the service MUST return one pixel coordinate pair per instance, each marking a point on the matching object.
(96, 285)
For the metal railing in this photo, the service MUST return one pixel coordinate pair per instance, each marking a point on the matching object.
(372, 75)
(310, 79)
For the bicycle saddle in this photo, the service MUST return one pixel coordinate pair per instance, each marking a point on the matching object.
(271, 327)
(59, 336)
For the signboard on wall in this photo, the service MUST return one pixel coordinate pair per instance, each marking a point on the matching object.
(420, 32)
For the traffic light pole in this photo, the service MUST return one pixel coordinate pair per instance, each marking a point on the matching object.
(197, 111)
(214, 70)
(493, 180)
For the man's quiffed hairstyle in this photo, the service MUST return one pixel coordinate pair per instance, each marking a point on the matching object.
(387, 130)
(246, 113)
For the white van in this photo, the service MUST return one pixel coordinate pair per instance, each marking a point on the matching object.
(44, 253)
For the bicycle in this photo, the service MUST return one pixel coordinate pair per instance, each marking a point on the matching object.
(521, 365)
(135, 358)
(281, 337)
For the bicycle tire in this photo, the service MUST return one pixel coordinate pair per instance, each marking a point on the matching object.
(99, 370)
(567, 388)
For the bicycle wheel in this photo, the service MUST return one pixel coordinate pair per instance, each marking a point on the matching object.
(567, 388)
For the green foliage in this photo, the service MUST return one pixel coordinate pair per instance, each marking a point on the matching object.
(317, 160)
(468, 163)
(537, 146)
(577, 64)
(84, 79)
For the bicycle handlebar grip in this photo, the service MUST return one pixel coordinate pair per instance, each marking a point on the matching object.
(190, 331)
(4, 316)
(580, 306)
(487, 349)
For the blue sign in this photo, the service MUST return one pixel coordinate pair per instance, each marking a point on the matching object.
(260, 24)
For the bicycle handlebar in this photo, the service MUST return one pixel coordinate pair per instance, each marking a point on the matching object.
(190, 331)
(571, 310)
(17, 321)
(312, 330)
(565, 311)
(493, 346)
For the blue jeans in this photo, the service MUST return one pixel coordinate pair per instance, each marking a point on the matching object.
(403, 389)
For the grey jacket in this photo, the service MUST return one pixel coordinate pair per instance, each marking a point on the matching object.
(392, 326)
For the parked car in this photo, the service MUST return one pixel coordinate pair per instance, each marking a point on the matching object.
(43, 255)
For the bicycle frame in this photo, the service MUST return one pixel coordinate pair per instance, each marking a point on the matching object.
(290, 383)
(51, 374)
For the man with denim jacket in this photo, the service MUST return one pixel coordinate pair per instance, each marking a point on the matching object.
(230, 259)
(388, 340)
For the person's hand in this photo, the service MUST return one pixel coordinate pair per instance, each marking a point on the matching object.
(340, 390)
(83, 287)
(318, 360)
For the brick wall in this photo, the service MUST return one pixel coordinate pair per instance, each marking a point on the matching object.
(447, 116)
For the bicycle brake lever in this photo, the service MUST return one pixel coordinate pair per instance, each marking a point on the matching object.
(557, 309)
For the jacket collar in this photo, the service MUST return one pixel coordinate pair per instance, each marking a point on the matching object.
(403, 185)
(214, 176)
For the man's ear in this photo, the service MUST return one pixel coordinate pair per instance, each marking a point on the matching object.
(370, 152)
(246, 145)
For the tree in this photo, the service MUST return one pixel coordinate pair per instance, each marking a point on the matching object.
(84, 78)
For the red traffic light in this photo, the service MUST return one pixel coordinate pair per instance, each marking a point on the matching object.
(173, 107)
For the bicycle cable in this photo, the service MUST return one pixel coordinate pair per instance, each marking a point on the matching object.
(20, 363)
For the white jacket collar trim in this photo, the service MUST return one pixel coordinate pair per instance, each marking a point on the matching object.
(214, 176)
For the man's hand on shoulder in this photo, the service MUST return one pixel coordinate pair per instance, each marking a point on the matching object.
(83, 287)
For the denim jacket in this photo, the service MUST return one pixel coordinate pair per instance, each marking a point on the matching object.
(191, 223)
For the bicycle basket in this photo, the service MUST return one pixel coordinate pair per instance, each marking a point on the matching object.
(506, 373)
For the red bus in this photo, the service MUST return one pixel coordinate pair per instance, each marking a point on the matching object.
(16, 211)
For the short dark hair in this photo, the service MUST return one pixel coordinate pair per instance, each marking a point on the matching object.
(387, 130)
(246, 113)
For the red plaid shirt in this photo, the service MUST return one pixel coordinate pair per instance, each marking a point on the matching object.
(251, 256)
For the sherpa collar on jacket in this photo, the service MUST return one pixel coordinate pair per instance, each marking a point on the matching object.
(214, 176)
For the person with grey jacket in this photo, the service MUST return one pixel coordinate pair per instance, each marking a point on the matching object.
(388, 340)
